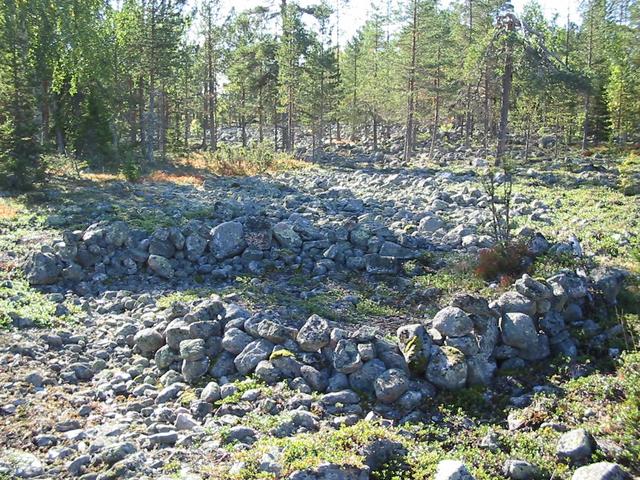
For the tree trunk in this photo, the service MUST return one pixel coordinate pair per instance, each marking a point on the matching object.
(409, 129)
(507, 80)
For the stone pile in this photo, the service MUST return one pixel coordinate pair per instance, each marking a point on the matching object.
(464, 344)
(251, 244)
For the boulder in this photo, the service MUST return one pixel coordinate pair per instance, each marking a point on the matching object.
(518, 330)
(286, 236)
(42, 269)
(391, 385)
(601, 471)
(447, 368)
(148, 341)
(314, 334)
(452, 470)
(452, 322)
(346, 358)
(575, 445)
(252, 354)
(160, 266)
(227, 240)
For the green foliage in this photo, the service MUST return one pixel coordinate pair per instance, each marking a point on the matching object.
(19, 301)
(130, 168)
(629, 415)
(630, 174)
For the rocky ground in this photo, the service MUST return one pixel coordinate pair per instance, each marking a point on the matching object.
(321, 323)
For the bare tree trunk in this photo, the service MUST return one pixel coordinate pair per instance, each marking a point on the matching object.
(409, 130)
(436, 114)
(507, 80)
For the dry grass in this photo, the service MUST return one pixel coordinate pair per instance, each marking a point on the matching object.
(176, 178)
(239, 168)
(103, 177)
(8, 210)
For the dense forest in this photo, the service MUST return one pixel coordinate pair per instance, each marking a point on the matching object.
(125, 84)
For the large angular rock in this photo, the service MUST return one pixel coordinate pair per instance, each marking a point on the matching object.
(514, 302)
(362, 379)
(518, 330)
(160, 243)
(447, 368)
(160, 266)
(286, 236)
(452, 322)
(314, 334)
(42, 269)
(391, 385)
(194, 369)
(346, 358)
(601, 471)
(195, 246)
(235, 340)
(252, 354)
(415, 345)
(275, 332)
(192, 349)
(227, 240)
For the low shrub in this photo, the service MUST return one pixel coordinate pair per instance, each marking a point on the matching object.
(503, 261)
(630, 175)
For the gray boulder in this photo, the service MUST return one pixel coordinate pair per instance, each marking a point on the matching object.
(314, 334)
(252, 354)
(227, 240)
(452, 322)
(194, 369)
(346, 358)
(391, 385)
(286, 236)
(519, 470)
(42, 269)
(148, 341)
(518, 330)
(447, 368)
(193, 349)
(600, 471)
(160, 266)
(452, 470)
(235, 340)
(575, 445)
(195, 246)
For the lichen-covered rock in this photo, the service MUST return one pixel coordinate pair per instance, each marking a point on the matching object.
(391, 385)
(452, 322)
(286, 236)
(415, 345)
(362, 379)
(447, 368)
(192, 349)
(252, 354)
(346, 358)
(194, 369)
(235, 340)
(314, 334)
(160, 266)
(514, 302)
(575, 445)
(519, 470)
